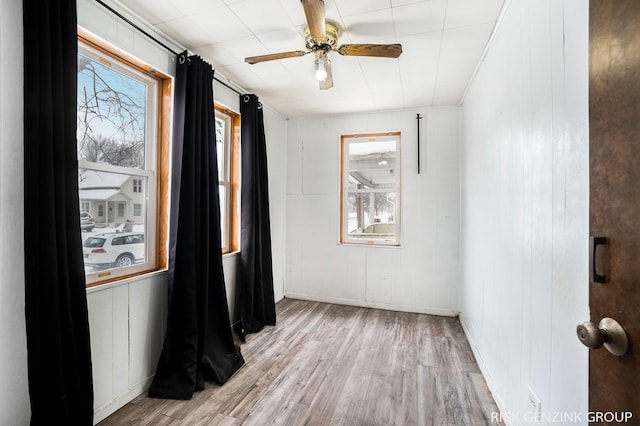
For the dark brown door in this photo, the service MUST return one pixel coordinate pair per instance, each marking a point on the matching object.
(614, 116)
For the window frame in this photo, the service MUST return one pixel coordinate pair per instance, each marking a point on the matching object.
(156, 172)
(230, 212)
(345, 140)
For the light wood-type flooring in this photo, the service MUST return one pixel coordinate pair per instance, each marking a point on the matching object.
(326, 364)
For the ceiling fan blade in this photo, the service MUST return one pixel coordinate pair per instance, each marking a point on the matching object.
(378, 50)
(314, 11)
(274, 56)
(327, 83)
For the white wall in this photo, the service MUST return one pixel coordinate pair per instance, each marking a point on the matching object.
(525, 207)
(420, 276)
(275, 129)
(14, 397)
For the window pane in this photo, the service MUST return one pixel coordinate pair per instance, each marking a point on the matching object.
(223, 215)
(371, 215)
(111, 115)
(371, 185)
(114, 227)
(372, 164)
(220, 132)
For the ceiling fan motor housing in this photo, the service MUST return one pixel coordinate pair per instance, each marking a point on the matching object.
(330, 42)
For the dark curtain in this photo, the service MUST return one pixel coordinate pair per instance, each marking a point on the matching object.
(254, 295)
(59, 355)
(199, 344)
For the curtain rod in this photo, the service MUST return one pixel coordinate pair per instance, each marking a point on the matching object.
(155, 40)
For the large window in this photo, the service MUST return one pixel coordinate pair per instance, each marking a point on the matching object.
(227, 124)
(370, 189)
(121, 137)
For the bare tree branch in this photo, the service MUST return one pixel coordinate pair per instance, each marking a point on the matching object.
(111, 116)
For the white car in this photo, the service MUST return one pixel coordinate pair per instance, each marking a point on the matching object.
(87, 223)
(114, 250)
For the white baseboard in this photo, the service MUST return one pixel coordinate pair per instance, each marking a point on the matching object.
(376, 305)
(483, 369)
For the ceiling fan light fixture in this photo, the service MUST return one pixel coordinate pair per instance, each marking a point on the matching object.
(321, 60)
(321, 72)
(321, 37)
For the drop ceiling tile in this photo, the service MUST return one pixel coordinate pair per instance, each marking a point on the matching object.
(369, 27)
(155, 11)
(398, 3)
(471, 38)
(241, 75)
(331, 10)
(462, 13)
(186, 30)
(272, 70)
(381, 71)
(419, 17)
(351, 7)
(220, 24)
(417, 77)
(447, 95)
(424, 86)
(387, 100)
(188, 7)
(240, 48)
(417, 98)
(216, 54)
(282, 40)
(463, 62)
(454, 78)
(293, 11)
(300, 66)
(261, 15)
(421, 48)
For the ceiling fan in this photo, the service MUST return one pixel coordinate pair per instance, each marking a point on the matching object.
(321, 37)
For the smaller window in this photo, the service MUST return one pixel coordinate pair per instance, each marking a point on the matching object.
(100, 210)
(120, 209)
(370, 189)
(227, 125)
(137, 209)
(137, 185)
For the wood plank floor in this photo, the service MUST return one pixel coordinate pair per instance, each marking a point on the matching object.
(326, 364)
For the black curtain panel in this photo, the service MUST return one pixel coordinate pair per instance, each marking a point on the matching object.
(255, 304)
(199, 344)
(59, 354)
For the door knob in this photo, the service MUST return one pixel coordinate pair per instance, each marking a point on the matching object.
(607, 333)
